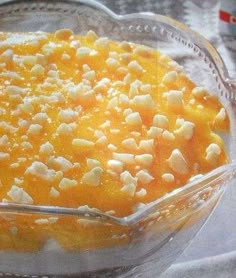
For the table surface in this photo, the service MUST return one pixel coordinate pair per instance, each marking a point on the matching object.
(213, 251)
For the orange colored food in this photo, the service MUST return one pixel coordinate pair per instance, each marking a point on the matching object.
(86, 121)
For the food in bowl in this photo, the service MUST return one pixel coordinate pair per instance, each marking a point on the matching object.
(87, 122)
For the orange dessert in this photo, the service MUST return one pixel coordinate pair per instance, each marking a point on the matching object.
(86, 121)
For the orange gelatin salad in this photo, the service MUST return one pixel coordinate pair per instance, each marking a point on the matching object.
(89, 122)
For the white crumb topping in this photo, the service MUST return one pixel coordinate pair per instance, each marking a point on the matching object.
(135, 67)
(61, 163)
(90, 222)
(34, 129)
(199, 92)
(123, 99)
(177, 162)
(135, 134)
(83, 52)
(92, 163)
(86, 68)
(160, 121)
(170, 77)
(143, 102)
(46, 149)
(82, 144)
(175, 98)
(146, 88)
(80, 92)
(37, 70)
(114, 130)
(26, 107)
(214, 148)
(89, 75)
(133, 119)
(65, 57)
(18, 181)
(186, 130)
(7, 56)
(112, 63)
(175, 65)
(64, 130)
(4, 141)
(66, 183)
(75, 44)
(134, 89)
(129, 144)
(18, 195)
(93, 177)
(41, 221)
(144, 177)
(126, 177)
(154, 132)
(40, 118)
(52, 219)
(63, 34)
(99, 133)
(168, 177)
(26, 145)
(102, 141)
(141, 193)
(23, 124)
(115, 165)
(144, 159)
(41, 59)
(14, 90)
(129, 183)
(129, 189)
(112, 147)
(179, 122)
(105, 125)
(125, 46)
(126, 158)
(54, 192)
(102, 43)
(40, 170)
(146, 145)
(128, 78)
(212, 153)
(221, 115)
(167, 135)
(67, 115)
(4, 156)
(143, 51)
(91, 36)
(125, 57)
(113, 102)
(127, 111)
(138, 207)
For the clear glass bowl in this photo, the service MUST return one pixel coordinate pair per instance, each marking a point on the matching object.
(148, 241)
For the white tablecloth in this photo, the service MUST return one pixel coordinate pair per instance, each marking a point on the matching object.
(212, 254)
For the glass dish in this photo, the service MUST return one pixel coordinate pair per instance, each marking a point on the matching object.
(145, 243)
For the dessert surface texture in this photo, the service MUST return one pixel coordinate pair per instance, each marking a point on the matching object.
(89, 122)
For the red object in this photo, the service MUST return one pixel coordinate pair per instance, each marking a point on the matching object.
(227, 17)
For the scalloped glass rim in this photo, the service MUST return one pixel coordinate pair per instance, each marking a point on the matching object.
(195, 40)
(212, 57)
